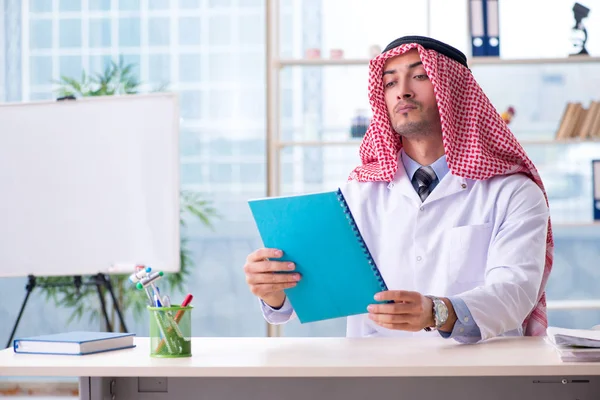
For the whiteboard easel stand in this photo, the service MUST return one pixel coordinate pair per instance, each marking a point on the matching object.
(96, 280)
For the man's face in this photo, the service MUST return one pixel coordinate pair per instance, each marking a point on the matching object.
(409, 96)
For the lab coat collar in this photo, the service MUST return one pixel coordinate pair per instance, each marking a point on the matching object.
(449, 185)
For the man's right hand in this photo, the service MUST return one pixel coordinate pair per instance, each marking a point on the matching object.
(263, 280)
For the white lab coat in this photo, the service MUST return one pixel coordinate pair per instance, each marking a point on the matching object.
(483, 241)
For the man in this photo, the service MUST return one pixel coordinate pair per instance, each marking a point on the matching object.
(451, 208)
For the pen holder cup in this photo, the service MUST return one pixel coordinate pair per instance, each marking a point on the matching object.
(170, 331)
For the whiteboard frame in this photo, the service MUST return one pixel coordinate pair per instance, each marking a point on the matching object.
(125, 267)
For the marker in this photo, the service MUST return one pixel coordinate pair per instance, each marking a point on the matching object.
(149, 280)
(140, 273)
(186, 301)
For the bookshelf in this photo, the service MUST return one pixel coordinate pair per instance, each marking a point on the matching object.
(357, 142)
(473, 61)
(275, 145)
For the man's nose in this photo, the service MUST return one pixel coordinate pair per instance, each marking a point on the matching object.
(405, 93)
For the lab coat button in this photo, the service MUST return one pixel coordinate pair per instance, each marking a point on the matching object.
(419, 258)
(422, 208)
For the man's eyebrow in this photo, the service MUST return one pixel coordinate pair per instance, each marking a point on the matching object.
(410, 66)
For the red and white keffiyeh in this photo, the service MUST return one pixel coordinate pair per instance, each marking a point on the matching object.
(477, 142)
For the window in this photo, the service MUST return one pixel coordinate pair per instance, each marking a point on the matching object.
(221, 67)
(129, 5)
(129, 32)
(70, 33)
(70, 5)
(159, 69)
(251, 29)
(159, 31)
(99, 5)
(219, 30)
(189, 4)
(41, 70)
(189, 31)
(71, 66)
(100, 32)
(201, 68)
(40, 34)
(190, 67)
(38, 6)
(191, 104)
(158, 4)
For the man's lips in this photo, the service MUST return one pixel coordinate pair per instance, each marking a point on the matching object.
(405, 108)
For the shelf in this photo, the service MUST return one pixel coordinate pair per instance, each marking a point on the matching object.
(292, 62)
(317, 143)
(573, 305)
(560, 141)
(354, 142)
(594, 224)
(475, 61)
(516, 61)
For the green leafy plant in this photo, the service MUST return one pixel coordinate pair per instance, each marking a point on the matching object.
(119, 79)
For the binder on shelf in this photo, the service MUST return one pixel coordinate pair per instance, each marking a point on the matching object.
(318, 232)
(484, 28)
(596, 188)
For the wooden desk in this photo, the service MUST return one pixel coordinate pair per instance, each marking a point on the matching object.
(331, 368)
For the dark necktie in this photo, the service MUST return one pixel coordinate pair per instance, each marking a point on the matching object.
(424, 177)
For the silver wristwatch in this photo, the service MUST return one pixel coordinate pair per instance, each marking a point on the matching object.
(440, 313)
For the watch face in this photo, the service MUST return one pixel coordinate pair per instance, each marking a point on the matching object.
(441, 312)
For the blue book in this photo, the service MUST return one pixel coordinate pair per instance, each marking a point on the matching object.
(319, 234)
(74, 343)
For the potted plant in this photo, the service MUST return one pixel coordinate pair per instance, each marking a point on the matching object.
(119, 79)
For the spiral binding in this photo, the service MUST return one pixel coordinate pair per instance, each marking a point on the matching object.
(366, 251)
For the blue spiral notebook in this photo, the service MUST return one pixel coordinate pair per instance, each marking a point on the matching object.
(319, 234)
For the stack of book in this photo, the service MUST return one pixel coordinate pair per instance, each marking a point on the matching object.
(578, 122)
(575, 345)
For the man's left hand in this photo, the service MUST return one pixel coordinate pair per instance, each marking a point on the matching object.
(410, 311)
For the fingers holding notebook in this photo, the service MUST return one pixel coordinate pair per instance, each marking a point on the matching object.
(264, 276)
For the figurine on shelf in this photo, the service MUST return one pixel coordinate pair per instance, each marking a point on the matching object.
(374, 51)
(313, 53)
(336, 54)
(508, 115)
(580, 35)
(360, 124)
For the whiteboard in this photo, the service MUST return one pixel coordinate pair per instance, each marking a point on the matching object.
(89, 186)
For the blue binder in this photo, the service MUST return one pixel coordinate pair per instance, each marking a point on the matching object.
(596, 188)
(484, 28)
(319, 234)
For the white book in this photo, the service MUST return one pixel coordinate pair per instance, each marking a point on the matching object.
(574, 337)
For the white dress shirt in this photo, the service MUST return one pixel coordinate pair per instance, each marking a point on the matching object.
(481, 242)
